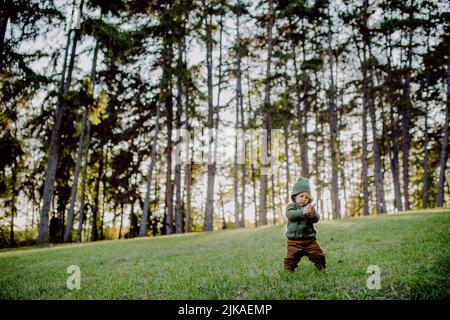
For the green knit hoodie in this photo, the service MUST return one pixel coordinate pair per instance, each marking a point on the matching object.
(299, 225)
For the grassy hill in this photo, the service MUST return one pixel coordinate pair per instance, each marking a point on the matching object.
(411, 249)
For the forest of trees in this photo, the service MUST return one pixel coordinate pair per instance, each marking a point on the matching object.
(94, 92)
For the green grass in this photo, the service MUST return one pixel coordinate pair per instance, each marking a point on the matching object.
(412, 250)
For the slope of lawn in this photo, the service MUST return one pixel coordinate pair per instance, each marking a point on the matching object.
(411, 249)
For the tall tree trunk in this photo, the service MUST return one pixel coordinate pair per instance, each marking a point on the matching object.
(379, 188)
(265, 145)
(395, 161)
(237, 208)
(334, 147)
(393, 139)
(209, 208)
(11, 225)
(235, 174)
(236, 126)
(278, 192)
(178, 213)
(317, 160)
(301, 136)
(273, 199)
(321, 164)
(304, 131)
(338, 134)
(385, 138)
(143, 228)
(286, 135)
(222, 207)
(365, 164)
(425, 161)
(286, 150)
(380, 203)
(405, 147)
(86, 229)
(365, 105)
(133, 220)
(252, 153)
(113, 233)
(224, 222)
(121, 221)
(188, 183)
(301, 114)
(425, 143)
(83, 182)
(166, 91)
(54, 148)
(342, 174)
(32, 211)
(444, 149)
(13, 199)
(406, 121)
(73, 196)
(4, 18)
(253, 169)
(102, 221)
(86, 150)
(240, 103)
(188, 168)
(254, 194)
(95, 210)
(156, 190)
(217, 111)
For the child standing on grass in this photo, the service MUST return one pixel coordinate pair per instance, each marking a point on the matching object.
(301, 235)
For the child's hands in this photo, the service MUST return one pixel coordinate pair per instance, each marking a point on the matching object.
(310, 209)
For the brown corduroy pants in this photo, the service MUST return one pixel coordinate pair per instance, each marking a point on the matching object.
(296, 249)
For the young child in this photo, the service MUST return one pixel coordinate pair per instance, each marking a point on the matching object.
(300, 233)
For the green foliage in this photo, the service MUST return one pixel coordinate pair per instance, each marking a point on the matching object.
(83, 97)
(98, 109)
(29, 17)
(10, 150)
(314, 64)
(115, 7)
(22, 238)
(116, 43)
(355, 206)
(282, 112)
(417, 175)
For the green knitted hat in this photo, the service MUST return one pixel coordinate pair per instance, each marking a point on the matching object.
(302, 185)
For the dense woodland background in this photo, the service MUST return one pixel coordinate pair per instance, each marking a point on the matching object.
(93, 92)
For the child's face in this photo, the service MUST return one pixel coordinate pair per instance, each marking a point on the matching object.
(302, 198)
